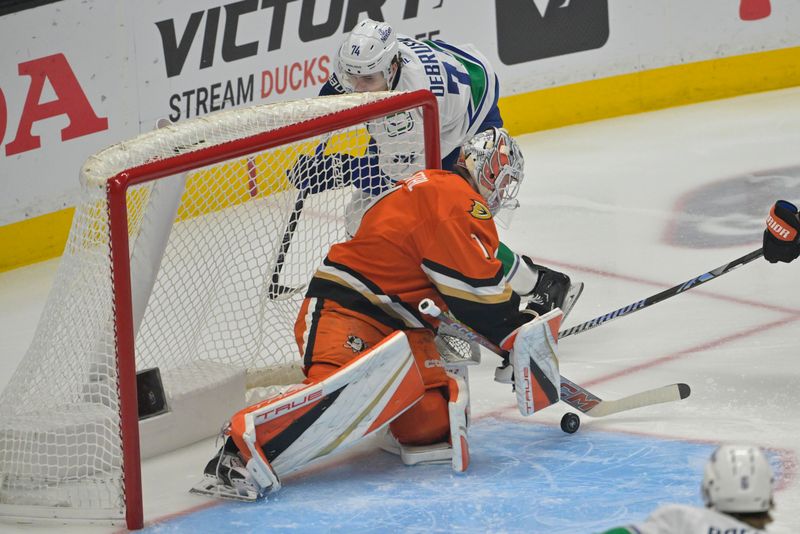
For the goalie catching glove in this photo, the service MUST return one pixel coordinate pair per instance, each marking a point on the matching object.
(782, 236)
(534, 358)
(552, 290)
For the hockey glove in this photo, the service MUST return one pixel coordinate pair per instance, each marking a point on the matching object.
(317, 173)
(552, 290)
(782, 236)
(366, 175)
(320, 173)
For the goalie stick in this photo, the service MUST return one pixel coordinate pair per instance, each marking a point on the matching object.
(573, 394)
(664, 295)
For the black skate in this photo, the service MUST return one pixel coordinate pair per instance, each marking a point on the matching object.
(553, 290)
(226, 477)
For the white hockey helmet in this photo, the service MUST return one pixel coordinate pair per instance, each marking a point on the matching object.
(370, 49)
(738, 479)
(495, 162)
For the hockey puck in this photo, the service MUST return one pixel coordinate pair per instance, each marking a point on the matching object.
(570, 422)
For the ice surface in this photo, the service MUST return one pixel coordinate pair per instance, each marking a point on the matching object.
(631, 206)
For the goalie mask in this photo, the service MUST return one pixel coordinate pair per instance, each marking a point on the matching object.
(738, 479)
(495, 163)
(366, 58)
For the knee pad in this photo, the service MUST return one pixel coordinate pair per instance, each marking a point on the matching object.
(454, 447)
(424, 423)
(287, 432)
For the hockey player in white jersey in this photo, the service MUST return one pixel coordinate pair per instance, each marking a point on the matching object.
(737, 491)
(373, 57)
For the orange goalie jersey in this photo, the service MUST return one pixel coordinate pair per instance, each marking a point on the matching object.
(432, 236)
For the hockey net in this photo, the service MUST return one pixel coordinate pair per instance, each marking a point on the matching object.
(178, 242)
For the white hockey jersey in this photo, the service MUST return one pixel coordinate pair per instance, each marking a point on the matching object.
(465, 87)
(461, 79)
(674, 518)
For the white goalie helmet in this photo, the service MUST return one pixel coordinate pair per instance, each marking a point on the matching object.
(495, 162)
(738, 479)
(370, 49)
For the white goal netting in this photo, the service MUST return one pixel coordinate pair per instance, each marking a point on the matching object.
(207, 247)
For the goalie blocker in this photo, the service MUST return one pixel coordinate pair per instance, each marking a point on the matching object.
(310, 421)
(533, 353)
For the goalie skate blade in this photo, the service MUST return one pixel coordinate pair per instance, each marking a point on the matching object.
(573, 293)
(211, 487)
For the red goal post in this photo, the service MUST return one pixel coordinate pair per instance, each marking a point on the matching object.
(105, 379)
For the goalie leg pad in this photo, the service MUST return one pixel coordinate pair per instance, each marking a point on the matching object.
(258, 467)
(534, 356)
(455, 450)
(287, 432)
(458, 410)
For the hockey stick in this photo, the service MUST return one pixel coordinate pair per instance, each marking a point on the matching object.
(581, 399)
(276, 290)
(573, 394)
(664, 295)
